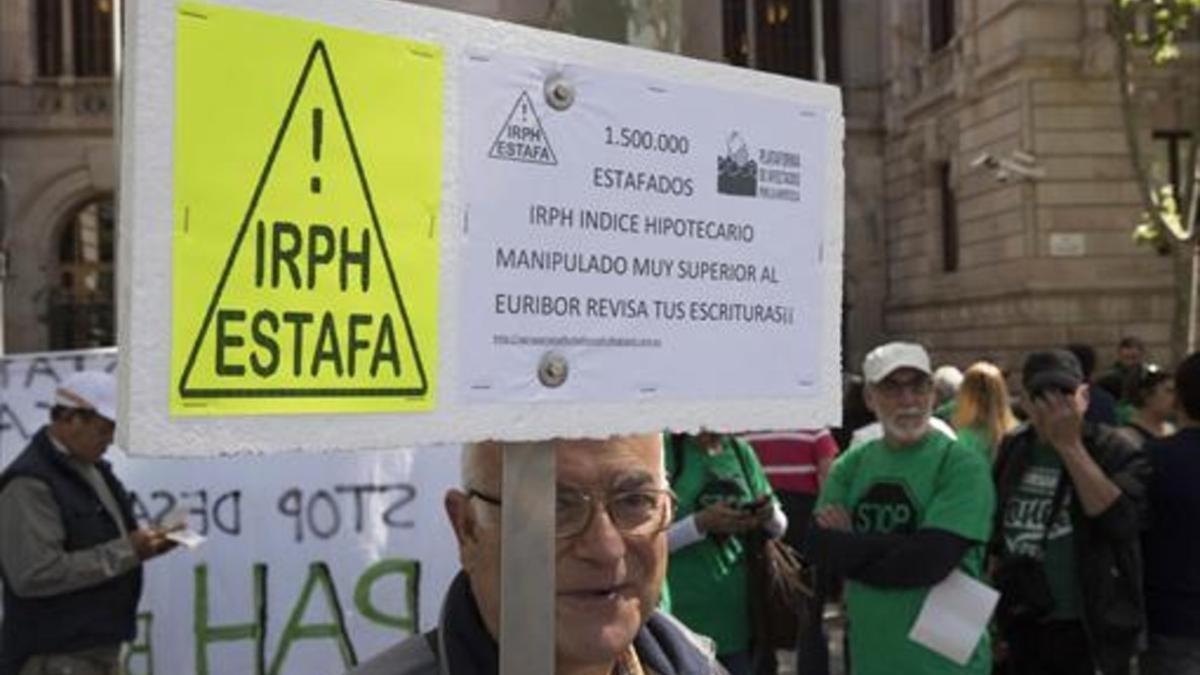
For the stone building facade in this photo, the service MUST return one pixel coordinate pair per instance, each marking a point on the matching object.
(57, 151)
(941, 244)
(982, 261)
(57, 175)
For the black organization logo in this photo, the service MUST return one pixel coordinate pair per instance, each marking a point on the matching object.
(737, 173)
(770, 173)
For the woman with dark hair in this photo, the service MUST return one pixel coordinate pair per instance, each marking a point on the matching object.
(1151, 392)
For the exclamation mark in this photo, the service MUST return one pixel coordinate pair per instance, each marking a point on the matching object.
(314, 185)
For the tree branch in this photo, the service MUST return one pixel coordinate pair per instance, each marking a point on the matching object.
(1121, 26)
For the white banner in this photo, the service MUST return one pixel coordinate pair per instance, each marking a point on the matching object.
(313, 561)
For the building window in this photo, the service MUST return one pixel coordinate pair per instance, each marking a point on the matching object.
(75, 38)
(1171, 149)
(49, 38)
(735, 38)
(941, 23)
(81, 304)
(782, 37)
(949, 215)
(831, 16)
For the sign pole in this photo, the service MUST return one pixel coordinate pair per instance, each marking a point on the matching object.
(527, 560)
(3, 250)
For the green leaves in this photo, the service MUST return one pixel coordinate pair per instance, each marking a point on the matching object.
(1159, 227)
(1156, 25)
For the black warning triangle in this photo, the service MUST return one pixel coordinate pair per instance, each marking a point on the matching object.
(522, 138)
(204, 383)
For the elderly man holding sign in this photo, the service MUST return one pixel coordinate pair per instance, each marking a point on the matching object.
(611, 514)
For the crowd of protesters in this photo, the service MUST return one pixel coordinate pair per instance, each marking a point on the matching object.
(1076, 495)
(1073, 496)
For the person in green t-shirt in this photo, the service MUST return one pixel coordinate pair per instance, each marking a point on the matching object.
(898, 515)
(983, 415)
(946, 381)
(723, 493)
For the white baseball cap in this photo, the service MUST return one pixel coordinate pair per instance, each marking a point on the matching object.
(888, 358)
(89, 390)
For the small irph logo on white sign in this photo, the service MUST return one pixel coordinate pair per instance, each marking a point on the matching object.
(522, 138)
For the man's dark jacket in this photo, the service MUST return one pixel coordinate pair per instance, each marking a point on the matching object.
(96, 616)
(461, 645)
(1107, 548)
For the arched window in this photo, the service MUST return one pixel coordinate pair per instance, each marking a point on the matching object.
(82, 306)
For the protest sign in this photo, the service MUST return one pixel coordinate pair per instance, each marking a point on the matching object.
(458, 229)
(663, 234)
(311, 563)
(306, 214)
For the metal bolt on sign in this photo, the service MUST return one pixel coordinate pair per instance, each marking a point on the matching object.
(560, 94)
(553, 370)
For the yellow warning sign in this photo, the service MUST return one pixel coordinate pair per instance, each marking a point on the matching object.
(307, 167)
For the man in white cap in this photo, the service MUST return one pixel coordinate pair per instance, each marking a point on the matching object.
(71, 552)
(900, 513)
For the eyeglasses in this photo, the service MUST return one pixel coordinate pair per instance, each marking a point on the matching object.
(890, 387)
(638, 513)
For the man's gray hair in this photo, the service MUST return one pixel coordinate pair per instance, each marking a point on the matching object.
(946, 381)
(473, 464)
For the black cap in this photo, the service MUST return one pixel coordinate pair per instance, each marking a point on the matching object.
(1054, 369)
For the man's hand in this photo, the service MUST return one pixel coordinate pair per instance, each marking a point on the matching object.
(1058, 421)
(722, 518)
(150, 542)
(1058, 418)
(834, 517)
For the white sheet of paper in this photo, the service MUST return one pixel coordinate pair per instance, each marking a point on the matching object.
(568, 250)
(186, 538)
(174, 519)
(954, 616)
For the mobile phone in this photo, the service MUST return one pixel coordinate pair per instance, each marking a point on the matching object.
(756, 505)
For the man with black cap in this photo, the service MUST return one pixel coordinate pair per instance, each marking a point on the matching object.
(1072, 500)
(71, 554)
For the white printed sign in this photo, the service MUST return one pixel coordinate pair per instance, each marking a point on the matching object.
(311, 562)
(665, 239)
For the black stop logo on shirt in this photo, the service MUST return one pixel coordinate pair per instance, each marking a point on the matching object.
(887, 508)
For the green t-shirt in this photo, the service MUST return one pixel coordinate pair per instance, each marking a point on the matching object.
(707, 579)
(934, 484)
(1025, 518)
(1125, 411)
(945, 411)
(977, 439)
